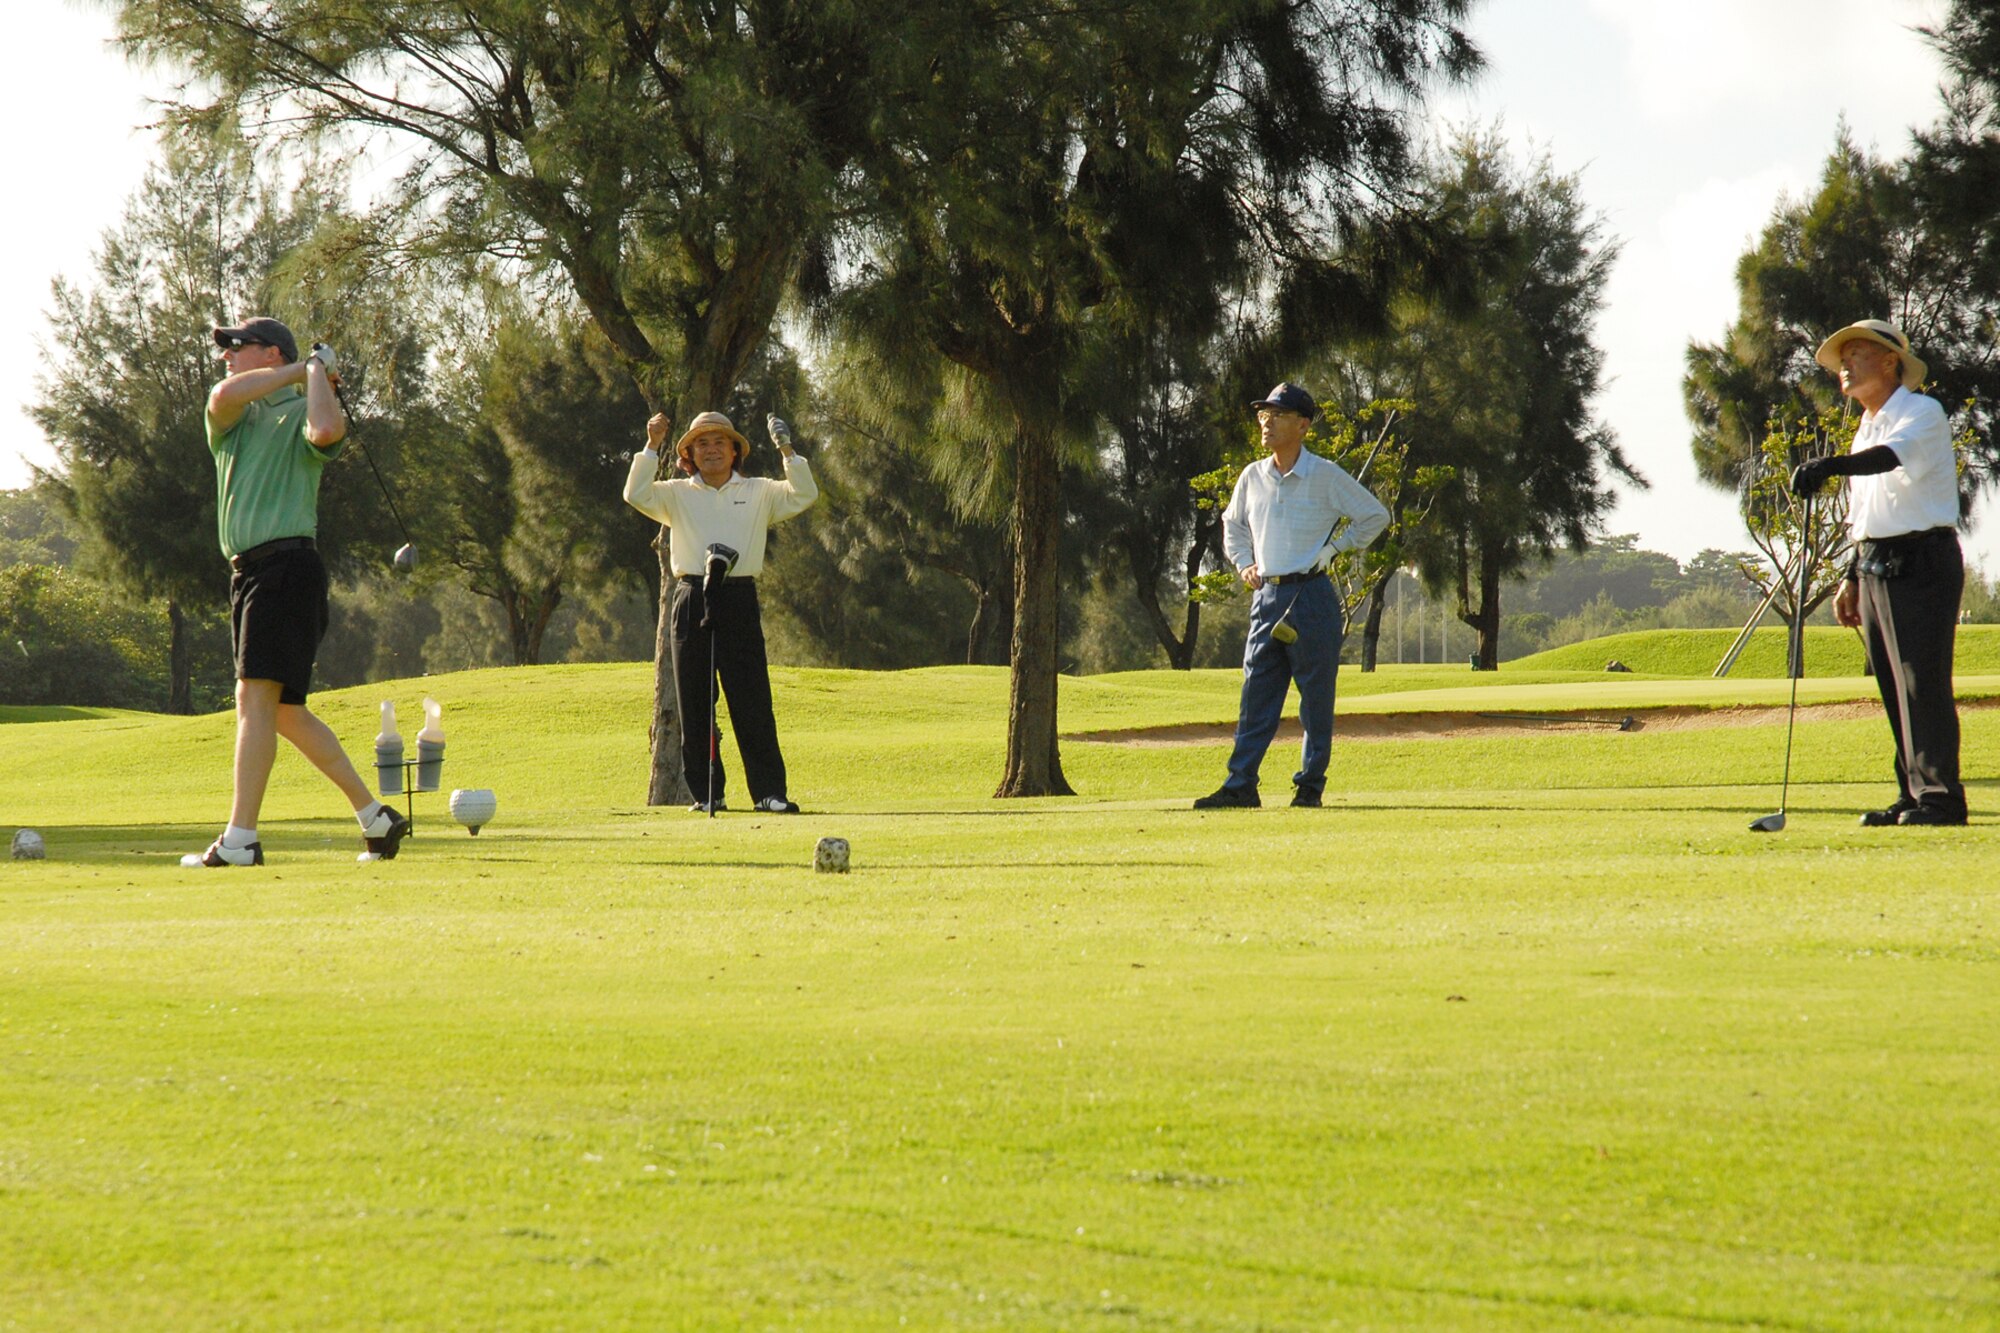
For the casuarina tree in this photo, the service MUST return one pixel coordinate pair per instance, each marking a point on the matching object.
(1023, 184)
(676, 164)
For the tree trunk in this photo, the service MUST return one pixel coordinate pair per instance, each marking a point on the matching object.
(546, 603)
(975, 634)
(1034, 763)
(1371, 634)
(180, 664)
(1486, 620)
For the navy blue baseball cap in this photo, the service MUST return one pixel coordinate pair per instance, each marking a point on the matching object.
(1289, 397)
(264, 330)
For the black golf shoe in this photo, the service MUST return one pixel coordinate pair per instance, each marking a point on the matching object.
(1890, 817)
(1228, 798)
(218, 856)
(1931, 815)
(385, 833)
(1304, 799)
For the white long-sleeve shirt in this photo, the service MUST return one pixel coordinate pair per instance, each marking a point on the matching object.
(1280, 521)
(1923, 492)
(739, 513)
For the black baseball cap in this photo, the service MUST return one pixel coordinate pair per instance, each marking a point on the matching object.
(1289, 397)
(264, 330)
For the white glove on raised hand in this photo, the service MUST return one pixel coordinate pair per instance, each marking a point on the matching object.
(781, 434)
(325, 356)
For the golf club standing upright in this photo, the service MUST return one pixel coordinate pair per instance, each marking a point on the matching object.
(721, 559)
(1797, 665)
(405, 559)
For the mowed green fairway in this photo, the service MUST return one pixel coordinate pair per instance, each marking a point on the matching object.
(1522, 1031)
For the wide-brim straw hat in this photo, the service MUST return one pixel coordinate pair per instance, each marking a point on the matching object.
(1876, 331)
(712, 421)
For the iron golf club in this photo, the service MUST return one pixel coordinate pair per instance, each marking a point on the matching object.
(405, 559)
(1775, 823)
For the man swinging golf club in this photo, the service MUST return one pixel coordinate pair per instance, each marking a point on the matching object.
(273, 425)
(717, 521)
(1903, 588)
(1289, 515)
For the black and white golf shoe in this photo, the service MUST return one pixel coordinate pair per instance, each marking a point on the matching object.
(218, 856)
(701, 807)
(775, 805)
(383, 837)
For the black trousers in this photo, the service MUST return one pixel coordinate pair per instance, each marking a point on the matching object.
(736, 637)
(1909, 622)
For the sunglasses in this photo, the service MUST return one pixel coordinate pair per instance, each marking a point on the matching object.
(238, 344)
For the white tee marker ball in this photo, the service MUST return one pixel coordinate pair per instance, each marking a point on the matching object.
(473, 806)
(830, 856)
(28, 846)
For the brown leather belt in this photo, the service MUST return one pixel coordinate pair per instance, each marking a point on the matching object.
(269, 549)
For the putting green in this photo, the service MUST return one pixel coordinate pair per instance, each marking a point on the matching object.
(1520, 1032)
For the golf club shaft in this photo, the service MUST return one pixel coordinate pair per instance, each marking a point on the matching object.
(1797, 665)
(341, 394)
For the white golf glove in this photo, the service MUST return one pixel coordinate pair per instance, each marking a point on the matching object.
(323, 354)
(781, 434)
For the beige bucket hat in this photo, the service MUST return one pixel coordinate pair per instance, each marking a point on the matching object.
(1875, 331)
(709, 421)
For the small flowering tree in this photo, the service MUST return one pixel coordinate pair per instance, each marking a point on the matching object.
(1366, 447)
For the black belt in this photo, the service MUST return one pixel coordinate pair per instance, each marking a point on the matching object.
(1903, 541)
(269, 549)
(1275, 579)
(696, 580)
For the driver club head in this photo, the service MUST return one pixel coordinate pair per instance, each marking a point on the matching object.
(1769, 823)
(405, 559)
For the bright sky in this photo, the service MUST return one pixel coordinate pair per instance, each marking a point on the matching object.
(1687, 121)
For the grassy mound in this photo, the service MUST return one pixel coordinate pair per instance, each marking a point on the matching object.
(1518, 1034)
(1830, 651)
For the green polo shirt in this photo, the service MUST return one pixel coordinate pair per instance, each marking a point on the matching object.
(266, 474)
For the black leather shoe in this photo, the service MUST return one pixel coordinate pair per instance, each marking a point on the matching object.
(391, 827)
(1228, 798)
(1930, 814)
(1305, 800)
(1888, 818)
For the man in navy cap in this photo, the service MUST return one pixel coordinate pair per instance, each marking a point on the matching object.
(1289, 515)
(274, 422)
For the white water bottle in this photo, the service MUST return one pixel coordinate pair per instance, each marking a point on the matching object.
(388, 753)
(430, 746)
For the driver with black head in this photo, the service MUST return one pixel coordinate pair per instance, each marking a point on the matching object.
(717, 521)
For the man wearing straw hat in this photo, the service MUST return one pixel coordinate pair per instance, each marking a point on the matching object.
(717, 520)
(1902, 591)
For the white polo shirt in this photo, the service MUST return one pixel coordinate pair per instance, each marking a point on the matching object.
(739, 513)
(1279, 521)
(1920, 494)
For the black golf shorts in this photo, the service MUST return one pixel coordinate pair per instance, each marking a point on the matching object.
(277, 616)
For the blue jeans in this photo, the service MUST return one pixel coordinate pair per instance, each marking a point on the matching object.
(1269, 668)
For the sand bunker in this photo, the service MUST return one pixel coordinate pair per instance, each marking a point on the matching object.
(1448, 726)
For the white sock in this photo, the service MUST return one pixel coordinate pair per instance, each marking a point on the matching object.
(366, 814)
(236, 838)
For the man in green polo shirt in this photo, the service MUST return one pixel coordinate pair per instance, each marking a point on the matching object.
(274, 422)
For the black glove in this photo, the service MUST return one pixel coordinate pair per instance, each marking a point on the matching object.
(1808, 478)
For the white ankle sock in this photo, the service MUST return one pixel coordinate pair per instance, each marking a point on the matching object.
(366, 814)
(236, 838)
